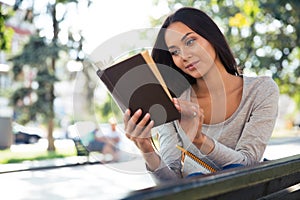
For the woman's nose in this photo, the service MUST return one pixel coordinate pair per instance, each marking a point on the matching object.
(185, 54)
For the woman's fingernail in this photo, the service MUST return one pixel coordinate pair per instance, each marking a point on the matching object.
(151, 123)
(194, 114)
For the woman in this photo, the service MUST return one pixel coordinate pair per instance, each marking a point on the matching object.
(226, 118)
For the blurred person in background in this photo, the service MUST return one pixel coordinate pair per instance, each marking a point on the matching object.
(107, 143)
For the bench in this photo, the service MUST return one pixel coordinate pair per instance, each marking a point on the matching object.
(80, 148)
(91, 153)
(276, 179)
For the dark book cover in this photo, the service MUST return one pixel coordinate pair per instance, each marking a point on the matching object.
(133, 84)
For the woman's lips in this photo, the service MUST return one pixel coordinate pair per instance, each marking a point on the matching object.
(192, 65)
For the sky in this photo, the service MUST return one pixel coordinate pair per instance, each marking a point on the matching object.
(110, 18)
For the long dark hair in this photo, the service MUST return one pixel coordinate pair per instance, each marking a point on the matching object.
(203, 25)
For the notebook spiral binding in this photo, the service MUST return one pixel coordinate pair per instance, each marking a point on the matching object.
(198, 160)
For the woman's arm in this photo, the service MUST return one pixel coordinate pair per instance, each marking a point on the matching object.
(256, 132)
(170, 166)
(140, 134)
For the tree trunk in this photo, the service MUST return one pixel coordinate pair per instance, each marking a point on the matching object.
(51, 146)
(50, 138)
(51, 116)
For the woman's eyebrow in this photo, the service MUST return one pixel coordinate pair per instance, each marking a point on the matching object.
(183, 38)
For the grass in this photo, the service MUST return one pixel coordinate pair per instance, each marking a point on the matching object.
(21, 153)
(12, 157)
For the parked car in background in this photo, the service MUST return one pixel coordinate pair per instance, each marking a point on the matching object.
(26, 135)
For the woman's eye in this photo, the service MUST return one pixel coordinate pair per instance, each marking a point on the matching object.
(189, 42)
(174, 52)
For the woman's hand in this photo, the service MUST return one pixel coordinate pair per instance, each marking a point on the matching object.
(191, 121)
(139, 132)
(192, 117)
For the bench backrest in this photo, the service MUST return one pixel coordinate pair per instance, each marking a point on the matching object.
(265, 180)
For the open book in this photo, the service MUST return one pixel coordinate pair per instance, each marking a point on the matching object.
(137, 83)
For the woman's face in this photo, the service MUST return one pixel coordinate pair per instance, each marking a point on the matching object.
(192, 53)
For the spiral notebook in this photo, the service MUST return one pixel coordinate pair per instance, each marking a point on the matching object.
(198, 165)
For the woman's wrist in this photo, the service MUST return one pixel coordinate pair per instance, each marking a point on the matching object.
(204, 143)
(152, 160)
(145, 146)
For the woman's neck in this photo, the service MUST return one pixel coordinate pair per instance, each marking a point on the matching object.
(216, 82)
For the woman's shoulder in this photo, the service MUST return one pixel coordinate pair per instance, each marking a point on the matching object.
(262, 88)
(260, 83)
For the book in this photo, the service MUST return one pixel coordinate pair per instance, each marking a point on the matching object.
(196, 164)
(136, 83)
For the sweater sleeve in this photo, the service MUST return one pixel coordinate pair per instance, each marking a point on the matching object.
(257, 130)
(170, 164)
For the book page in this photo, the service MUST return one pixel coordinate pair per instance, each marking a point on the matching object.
(155, 70)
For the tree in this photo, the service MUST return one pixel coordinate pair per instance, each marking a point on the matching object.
(5, 32)
(285, 45)
(264, 36)
(41, 56)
